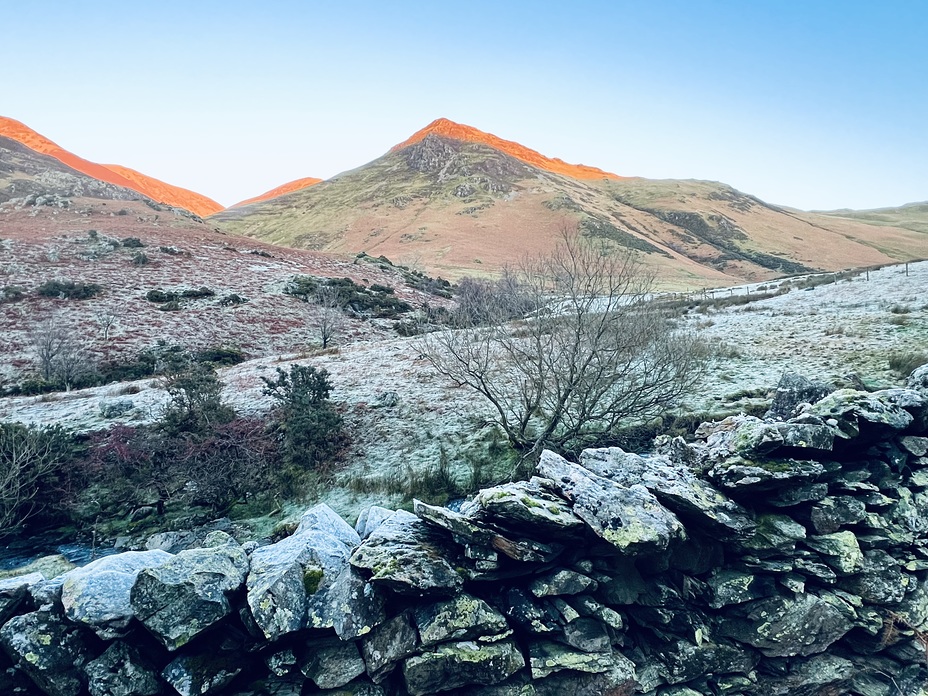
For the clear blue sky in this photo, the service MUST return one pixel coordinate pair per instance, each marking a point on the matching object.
(812, 104)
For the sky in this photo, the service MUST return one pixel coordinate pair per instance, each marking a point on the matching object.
(814, 104)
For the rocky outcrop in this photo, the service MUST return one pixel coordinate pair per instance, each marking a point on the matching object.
(770, 557)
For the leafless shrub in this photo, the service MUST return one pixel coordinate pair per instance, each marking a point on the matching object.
(596, 354)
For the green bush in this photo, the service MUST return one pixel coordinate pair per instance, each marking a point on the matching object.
(11, 293)
(378, 301)
(220, 356)
(309, 427)
(68, 289)
(159, 296)
(232, 300)
(132, 243)
(195, 404)
(140, 259)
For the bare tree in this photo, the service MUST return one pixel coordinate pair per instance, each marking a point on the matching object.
(331, 313)
(27, 456)
(107, 319)
(595, 355)
(60, 356)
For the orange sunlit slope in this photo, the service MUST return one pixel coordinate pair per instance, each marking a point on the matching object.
(457, 131)
(165, 193)
(281, 190)
(112, 174)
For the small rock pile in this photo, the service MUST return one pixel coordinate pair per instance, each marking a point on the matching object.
(784, 555)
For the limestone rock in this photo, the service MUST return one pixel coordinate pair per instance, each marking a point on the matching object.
(97, 595)
(453, 665)
(675, 486)
(629, 518)
(121, 671)
(48, 649)
(181, 598)
(461, 618)
(408, 556)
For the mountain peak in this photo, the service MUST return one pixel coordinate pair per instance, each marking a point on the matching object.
(110, 173)
(446, 128)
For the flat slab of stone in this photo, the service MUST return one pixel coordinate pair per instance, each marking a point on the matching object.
(453, 665)
(461, 618)
(408, 556)
(630, 518)
(675, 486)
(546, 658)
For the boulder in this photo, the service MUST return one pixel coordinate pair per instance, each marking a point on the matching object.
(290, 583)
(840, 551)
(408, 556)
(587, 634)
(792, 390)
(775, 535)
(202, 674)
(547, 658)
(461, 618)
(98, 594)
(13, 591)
(630, 518)
(744, 476)
(387, 644)
(181, 598)
(684, 661)
(786, 627)
(322, 518)
(453, 665)
(529, 507)
(878, 413)
(350, 589)
(562, 582)
(51, 651)
(121, 671)
(370, 519)
(675, 486)
(331, 663)
(466, 531)
(832, 513)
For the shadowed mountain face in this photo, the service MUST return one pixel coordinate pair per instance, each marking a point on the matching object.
(457, 201)
(116, 175)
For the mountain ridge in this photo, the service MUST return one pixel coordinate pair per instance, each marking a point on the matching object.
(117, 175)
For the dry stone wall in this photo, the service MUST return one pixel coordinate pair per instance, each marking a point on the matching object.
(786, 555)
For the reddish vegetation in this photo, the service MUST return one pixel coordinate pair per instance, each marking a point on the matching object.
(281, 190)
(112, 174)
(457, 131)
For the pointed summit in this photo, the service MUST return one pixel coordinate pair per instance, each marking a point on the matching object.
(110, 173)
(446, 128)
